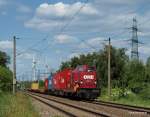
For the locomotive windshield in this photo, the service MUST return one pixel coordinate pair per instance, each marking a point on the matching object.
(90, 69)
(85, 68)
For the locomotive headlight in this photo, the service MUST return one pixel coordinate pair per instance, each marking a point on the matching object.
(95, 82)
(81, 82)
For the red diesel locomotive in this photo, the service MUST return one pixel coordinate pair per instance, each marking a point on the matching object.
(80, 82)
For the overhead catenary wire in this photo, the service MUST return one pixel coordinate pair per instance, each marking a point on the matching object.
(43, 39)
(69, 22)
(73, 17)
(62, 29)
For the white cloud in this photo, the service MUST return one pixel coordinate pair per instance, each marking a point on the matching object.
(50, 16)
(26, 56)
(43, 24)
(93, 42)
(96, 41)
(73, 55)
(58, 51)
(117, 2)
(63, 38)
(128, 52)
(6, 44)
(60, 9)
(93, 17)
(144, 50)
(121, 43)
(24, 9)
(107, 18)
(144, 33)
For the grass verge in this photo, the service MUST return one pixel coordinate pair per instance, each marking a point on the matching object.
(131, 99)
(17, 105)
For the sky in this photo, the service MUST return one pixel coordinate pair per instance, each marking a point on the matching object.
(52, 31)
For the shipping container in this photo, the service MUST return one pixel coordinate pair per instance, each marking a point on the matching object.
(46, 84)
(50, 86)
(35, 86)
(61, 80)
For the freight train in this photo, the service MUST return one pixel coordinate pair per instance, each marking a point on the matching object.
(79, 82)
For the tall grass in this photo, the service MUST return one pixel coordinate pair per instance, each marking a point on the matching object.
(17, 105)
(130, 99)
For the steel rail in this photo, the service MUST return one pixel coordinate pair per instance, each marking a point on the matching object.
(120, 106)
(102, 114)
(48, 104)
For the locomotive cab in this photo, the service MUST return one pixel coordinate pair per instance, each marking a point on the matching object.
(85, 77)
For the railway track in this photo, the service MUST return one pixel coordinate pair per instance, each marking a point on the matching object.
(122, 106)
(77, 110)
(100, 108)
(48, 104)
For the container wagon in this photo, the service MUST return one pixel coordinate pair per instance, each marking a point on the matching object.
(48, 84)
(35, 86)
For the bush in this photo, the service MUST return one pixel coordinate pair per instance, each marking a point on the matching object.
(118, 93)
(145, 93)
(5, 79)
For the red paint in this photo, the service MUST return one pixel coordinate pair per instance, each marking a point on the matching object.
(71, 80)
(46, 84)
(61, 80)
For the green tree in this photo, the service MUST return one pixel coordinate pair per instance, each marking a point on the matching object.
(64, 65)
(4, 59)
(136, 76)
(5, 72)
(118, 62)
(145, 93)
(148, 71)
(74, 62)
(128, 74)
(5, 79)
(100, 60)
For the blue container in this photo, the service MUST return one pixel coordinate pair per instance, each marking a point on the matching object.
(50, 82)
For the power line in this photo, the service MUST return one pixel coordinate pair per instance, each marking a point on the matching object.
(39, 42)
(135, 42)
(87, 44)
(73, 17)
(70, 21)
(144, 21)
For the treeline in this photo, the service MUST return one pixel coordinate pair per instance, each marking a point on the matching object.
(5, 73)
(127, 75)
